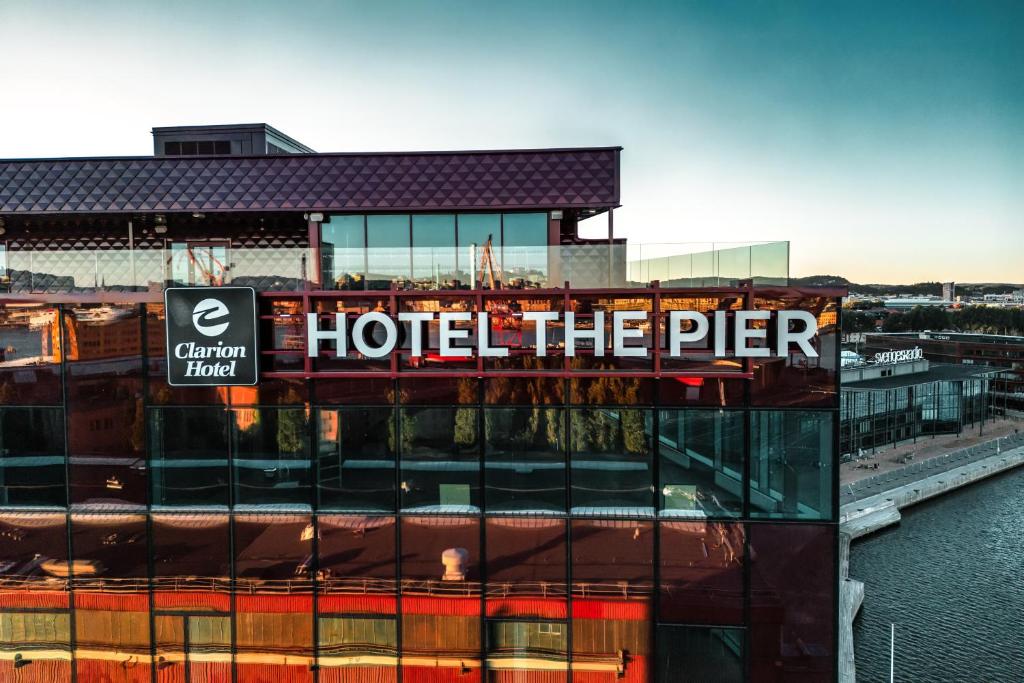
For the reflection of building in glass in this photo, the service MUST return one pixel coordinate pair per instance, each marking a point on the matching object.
(530, 518)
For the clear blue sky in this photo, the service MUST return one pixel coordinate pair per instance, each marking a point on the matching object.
(884, 139)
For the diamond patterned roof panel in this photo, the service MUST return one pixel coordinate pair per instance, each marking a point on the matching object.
(581, 177)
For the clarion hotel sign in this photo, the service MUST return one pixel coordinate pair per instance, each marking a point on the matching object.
(211, 334)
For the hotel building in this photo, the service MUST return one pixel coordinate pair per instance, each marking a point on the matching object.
(557, 512)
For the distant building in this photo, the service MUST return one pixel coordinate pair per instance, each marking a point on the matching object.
(885, 403)
(906, 303)
(1000, 351)
(949, 291)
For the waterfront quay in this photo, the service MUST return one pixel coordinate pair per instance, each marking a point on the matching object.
(871, 499)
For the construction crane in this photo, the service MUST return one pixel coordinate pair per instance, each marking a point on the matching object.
(489, 266)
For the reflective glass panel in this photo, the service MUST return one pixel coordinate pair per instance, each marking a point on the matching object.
(109, 572)
(433, 241)
(524, 248)
(701, 465)
(189, 456)
(32, 456)
(707, 655)
(791, 464)
(106, 420)
(389, 251)
(702, 572)
(356, 453)
(524, 460)
(792, 609)
(343, 252)
(612, 470)
(440, 568)
(273, 601)
(526, 567)
(271, 456)
(440, 459)
(29, 355)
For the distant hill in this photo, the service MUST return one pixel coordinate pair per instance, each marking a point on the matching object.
(917, 289)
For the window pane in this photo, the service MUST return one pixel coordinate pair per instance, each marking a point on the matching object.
(526, 567)
(355, 447)
(433, 241)
(791, 464)
(701, 455)
(109, 575)
(702, 572)
(32, 456)
(797, 379)
(343, 252)
(189, 456)
(389, 253)
(474, 231)
(273, 603)
(358, 564)
(106, 421)
(792, 613)
(440, 451)
(191, 562)
(441, 597)
(272, 462)
(613, 580)
(524, 247)
(707, 655)
(29, 355)
(612, 471)
(525, 459)
(526, 651)
(34, 598)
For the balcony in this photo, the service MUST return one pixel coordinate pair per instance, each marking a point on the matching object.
(594, 265)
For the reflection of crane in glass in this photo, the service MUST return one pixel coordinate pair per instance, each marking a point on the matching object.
(489, 267)
(199, 263)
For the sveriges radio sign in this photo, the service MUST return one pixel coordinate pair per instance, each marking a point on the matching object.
(211, 336)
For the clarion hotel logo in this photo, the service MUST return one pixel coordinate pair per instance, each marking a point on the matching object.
(376, 335)
(211, 336)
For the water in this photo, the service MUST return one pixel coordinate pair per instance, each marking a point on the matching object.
(951, 577)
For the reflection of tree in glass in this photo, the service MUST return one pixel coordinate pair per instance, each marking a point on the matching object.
(291, 425)
(465, 418)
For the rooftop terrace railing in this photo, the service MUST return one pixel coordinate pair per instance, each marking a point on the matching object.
(593, 265)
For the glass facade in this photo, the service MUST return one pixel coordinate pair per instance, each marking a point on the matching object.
(872, 418)
(519, 519)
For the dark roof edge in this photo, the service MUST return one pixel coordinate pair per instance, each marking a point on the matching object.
(292, 157)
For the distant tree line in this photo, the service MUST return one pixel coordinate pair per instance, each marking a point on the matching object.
(983, 319)
(916, 289)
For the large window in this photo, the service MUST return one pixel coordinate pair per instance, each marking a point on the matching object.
(189, 456)
(273, 603)
(791, 464)
(271, 449)
(524, 247)
(440, 568)
(106, 419)
(343, 252)
(701, 572)
(526, 567)
(356, 452)
(32, 456)
(612, 469)
(433, 257)
(440, 454)
(701, 466)
(388, 250)
(705, 654)
(525, 459)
